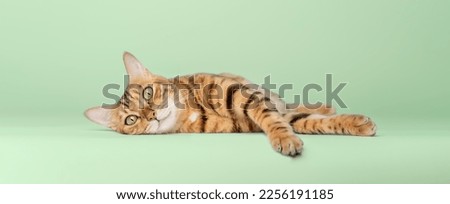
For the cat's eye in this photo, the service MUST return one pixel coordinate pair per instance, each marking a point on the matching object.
(148, 93)
(131, 120)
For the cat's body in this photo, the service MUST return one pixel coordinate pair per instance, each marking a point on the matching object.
(222, 103)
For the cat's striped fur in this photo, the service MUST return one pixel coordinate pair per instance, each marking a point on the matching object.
(221, 103)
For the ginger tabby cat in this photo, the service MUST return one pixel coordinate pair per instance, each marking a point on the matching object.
(218, 103)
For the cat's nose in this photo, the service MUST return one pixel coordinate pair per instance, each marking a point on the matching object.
(151, 116)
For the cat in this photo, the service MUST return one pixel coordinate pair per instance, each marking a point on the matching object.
(218, 103)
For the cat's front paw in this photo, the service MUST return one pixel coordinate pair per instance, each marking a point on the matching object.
(287, 145)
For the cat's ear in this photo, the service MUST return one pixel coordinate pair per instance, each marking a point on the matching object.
(99, 115)
(134, 68)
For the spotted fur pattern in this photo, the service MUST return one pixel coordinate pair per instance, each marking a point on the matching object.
(218, 103)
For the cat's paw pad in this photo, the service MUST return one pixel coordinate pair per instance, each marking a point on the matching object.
(288, 145)
(362, 125)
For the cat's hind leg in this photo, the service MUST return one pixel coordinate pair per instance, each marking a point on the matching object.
(344, 124)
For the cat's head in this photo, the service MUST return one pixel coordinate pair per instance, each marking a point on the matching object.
(146, 107)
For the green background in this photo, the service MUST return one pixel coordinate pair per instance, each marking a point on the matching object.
(55, 58)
